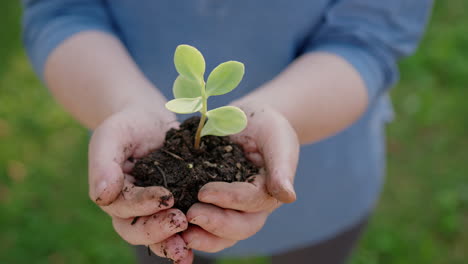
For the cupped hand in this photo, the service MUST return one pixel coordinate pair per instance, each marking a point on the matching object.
(140, 215)
(230, 212)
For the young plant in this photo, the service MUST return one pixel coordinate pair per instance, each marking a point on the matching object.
(191, 93)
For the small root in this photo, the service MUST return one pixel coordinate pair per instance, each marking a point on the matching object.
(182, 196)
(210, 165)
(172, 154)
(163, 175)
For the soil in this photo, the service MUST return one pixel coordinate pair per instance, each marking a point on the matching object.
(183, 170)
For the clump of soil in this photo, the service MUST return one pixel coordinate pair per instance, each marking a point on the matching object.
(183, 170)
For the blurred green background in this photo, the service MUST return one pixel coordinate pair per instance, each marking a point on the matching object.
(46, 217)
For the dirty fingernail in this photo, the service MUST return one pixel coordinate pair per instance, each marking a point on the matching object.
(101, 187)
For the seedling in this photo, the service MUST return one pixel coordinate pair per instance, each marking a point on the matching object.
(191, 93)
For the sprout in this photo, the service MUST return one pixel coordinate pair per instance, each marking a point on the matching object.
(191, 93)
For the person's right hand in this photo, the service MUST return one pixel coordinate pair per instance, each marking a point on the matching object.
(134, 132)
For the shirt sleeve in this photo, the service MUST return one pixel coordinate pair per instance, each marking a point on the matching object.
(372, 36)
(47, 23)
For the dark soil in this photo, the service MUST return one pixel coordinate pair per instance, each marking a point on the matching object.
(183, 170)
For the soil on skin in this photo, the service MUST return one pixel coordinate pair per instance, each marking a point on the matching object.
(183, 170)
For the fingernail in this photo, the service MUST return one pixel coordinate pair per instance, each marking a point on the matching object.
(204, 196)
(199, 220)
(290, 189)
(195, 243)
(179, 221)
(101, 187)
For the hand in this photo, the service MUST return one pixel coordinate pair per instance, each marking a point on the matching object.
(134, 132)
(230, 212)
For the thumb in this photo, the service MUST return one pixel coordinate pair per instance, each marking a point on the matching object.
(280, 148)
(281, 190)
(107, 153)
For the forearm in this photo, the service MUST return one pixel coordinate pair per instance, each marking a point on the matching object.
(92, 76)
(320, 94)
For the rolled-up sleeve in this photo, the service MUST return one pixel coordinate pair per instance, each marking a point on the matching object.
(47, 23)
(372, 36)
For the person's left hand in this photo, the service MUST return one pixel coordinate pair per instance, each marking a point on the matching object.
(230, 212)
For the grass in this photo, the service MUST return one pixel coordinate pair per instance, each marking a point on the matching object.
(46, 216)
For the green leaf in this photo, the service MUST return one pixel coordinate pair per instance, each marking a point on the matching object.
(223, 121)
(185, 105)
(186, 88)
(189, 62)
(224, 78)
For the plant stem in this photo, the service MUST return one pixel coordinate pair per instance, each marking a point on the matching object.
(202, 118)
(199, 129)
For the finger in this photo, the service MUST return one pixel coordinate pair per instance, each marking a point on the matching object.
(116, 140)
(281, 153)
(139, 201)
(108, 150)
(248, 196)
(249, 146)
(152, 229)
(225, 223)
(199, 239)
(280, 150)
(188, 258)
(256, 158)
(174, 248)
(128, 166)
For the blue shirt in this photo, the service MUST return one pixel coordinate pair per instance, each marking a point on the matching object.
(338, 179)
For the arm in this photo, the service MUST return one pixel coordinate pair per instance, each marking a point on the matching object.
(73, 47)
(346, 65)
(93, 77)
(311, 97)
